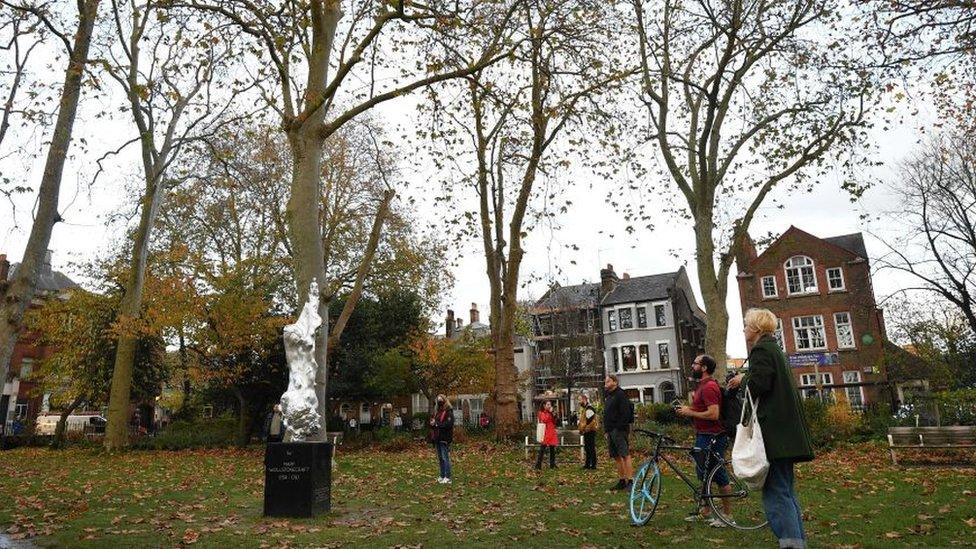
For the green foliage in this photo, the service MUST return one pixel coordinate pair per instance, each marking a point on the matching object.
(956, 407)
(377, 325)
(183, 435)
(658, 412)
(80, 332)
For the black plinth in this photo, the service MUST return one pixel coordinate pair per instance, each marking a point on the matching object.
(297, 479)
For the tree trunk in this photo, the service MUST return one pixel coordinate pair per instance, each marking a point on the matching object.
(305, 235)
(506, 379)
(713, 294)
(243, 423)
(16, 296)
(116, 436)
(62, 426)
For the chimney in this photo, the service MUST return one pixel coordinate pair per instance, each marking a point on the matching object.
(626, 276)
(475, 317)
(608, 280)
(745, 254)
(4, 267)
(449, 323)
(460, 323)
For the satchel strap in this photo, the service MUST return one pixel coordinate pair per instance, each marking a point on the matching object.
(752, 404)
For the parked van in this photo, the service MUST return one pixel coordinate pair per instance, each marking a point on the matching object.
(76, 423)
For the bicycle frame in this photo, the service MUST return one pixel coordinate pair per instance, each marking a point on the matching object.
(697, 488)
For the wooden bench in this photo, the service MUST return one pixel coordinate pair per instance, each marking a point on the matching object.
(935, 438)
(572, 435)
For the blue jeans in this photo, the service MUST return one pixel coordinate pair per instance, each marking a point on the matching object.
(782, 508)
(443, 459)
(711, 443)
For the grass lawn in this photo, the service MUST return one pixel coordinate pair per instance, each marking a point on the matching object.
(851, 497)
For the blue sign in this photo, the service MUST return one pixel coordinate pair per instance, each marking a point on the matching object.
(810, 359)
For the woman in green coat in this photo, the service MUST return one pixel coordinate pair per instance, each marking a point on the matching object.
(784, 426)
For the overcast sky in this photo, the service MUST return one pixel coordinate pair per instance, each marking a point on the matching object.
(827, 211)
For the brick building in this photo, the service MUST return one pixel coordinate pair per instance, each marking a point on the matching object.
(19, 401)
(830, 327)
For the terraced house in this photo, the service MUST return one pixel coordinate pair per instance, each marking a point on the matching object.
(652, 330)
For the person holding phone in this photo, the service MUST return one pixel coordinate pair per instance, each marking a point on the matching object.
(710, 436)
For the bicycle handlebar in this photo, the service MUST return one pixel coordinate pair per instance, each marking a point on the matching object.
(653, 434)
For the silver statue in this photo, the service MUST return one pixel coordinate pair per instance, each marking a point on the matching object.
(299, 405)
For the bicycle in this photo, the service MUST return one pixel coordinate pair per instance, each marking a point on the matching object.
(645, 494)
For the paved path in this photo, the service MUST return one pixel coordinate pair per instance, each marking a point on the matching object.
(7, 543)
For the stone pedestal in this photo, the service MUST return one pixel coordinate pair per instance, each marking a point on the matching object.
(297, 479)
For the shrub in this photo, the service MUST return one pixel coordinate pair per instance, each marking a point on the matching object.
(180, 435)
(658, 412)
(956, 407)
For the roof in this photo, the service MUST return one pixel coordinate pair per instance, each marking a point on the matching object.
(853, 243)
(562, 296)
(641, 288)
(49, 280)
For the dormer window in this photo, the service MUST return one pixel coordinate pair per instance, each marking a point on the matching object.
(800, 275)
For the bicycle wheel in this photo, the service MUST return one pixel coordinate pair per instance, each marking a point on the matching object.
(745, 505)
(645, 493)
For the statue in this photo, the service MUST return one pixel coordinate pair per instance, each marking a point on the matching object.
(299, 405)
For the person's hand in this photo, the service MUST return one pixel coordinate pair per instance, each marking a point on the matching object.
(683, 411)
(735, 381)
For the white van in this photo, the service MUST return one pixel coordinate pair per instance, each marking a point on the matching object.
(76, 423)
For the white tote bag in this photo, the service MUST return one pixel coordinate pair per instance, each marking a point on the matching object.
(540, 432)
(749, 453)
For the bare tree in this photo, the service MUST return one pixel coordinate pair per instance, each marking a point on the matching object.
(16, 294)
(937, 218)
(20, 35)
(932, 39)
(743, 96)
(510, 119)
(315, 62)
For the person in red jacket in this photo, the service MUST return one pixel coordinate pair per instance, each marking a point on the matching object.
(550, 440)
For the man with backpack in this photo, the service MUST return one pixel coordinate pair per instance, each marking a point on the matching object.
(617, 416)
(710, 435)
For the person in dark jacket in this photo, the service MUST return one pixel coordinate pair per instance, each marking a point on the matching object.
(784, 427)
(549, 439)
(617, 417)
(441, 436)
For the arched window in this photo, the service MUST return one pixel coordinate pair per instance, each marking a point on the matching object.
(668, 394)
(800, 275)
(344, 409)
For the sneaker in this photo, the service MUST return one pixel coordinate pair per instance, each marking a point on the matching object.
(621, 484)
(716, 522)
(694, 517)
(440, 480)
(446, 480)
(630, 482)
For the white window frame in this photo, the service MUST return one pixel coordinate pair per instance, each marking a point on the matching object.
(790, 266)
(654, 309)
(673, 388)
(615, 359)
(620, 318)
(762, 283)
(623, 366)
(843, 284)
(612, 320)
(657, 346)
(27, 364)
(646, 364)
(637, 316)
(809, 379)
(779, 334)
(858, 390)
(850, 326)
(798, 328)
